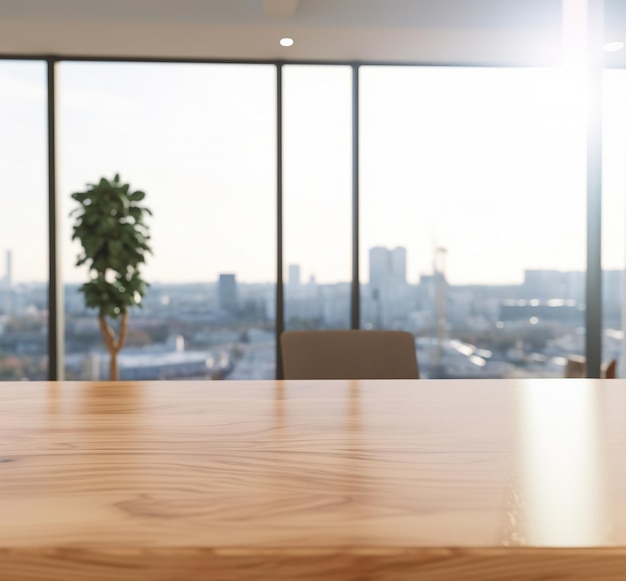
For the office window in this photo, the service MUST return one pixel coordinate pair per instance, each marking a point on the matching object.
(23, 221)
(613, 214)
(317, 195)
(473, 230)
(200, 140)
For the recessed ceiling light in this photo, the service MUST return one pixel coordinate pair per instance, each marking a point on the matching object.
(613, 46)
(286, 41)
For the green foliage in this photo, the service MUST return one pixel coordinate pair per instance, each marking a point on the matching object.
(109, 223)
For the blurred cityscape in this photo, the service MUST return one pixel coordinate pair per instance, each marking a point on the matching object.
(226, 329)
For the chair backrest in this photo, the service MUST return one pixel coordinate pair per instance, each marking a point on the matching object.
(576, 366)
(349, 355)
(609, 370)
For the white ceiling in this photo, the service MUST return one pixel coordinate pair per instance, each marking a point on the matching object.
(428, 31)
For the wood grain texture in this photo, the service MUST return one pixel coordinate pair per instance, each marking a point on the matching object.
(335, 480)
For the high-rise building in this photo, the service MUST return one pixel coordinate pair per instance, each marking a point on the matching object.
(544, 284)
(387, 266)
(379, 266)
(293, 280)
(9, 274)
(227, 293)
(398, 264)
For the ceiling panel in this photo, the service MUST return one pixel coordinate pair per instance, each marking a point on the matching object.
(506, 32)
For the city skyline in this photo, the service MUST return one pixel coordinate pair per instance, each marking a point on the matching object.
(226, 329)
(395, 272)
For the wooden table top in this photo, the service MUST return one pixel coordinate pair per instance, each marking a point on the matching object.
(334, 480)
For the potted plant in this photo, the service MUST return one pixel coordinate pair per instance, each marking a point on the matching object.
(109, 224)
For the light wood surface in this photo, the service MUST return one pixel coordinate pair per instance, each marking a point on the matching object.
(495, 480)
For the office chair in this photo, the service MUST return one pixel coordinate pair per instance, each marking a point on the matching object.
(349, 355)
(576, 366)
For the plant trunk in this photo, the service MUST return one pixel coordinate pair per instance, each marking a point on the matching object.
(114, 343)
(114, 373)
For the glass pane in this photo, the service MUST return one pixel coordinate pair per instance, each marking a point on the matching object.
(317, 195)
(613, 214)
(23, 221)
(473, 215)
(200, 140)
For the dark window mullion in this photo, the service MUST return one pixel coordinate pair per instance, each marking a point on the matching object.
(593, 300)
(280, 303)
(356, 294)
(55, 288)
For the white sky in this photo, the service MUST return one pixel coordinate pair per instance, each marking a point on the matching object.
(486, 162)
